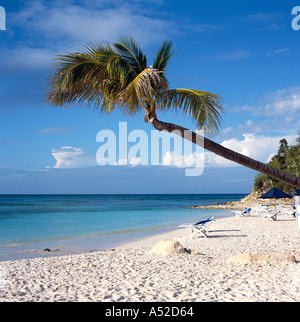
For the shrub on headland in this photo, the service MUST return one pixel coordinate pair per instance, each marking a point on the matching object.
(286, 159)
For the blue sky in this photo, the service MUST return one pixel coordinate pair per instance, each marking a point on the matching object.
(245, 51)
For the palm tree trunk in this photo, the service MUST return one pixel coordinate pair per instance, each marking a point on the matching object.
(224, 152)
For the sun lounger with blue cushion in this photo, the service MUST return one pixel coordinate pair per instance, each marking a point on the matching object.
(242, 213)
(199, 227)
(290, 213)
(272, 217)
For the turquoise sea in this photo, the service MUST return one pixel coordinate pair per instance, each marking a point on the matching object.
(83, 223)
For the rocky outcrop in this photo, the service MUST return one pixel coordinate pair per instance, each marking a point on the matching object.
(250, 201)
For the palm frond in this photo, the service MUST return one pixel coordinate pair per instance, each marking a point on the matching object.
(104, 77)
(132, 52)
(67, 78)
(97, 48)
(117, 67)
(141, 91)
(165, 53)
(89, 78)
(204, 107)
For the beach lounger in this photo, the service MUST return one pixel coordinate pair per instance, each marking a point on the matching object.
(242, 213)
(199, 227)
(261, 209)
(272, 217)
(265, 210)
(290, 213)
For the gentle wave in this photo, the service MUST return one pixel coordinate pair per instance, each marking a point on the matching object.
(88, 235)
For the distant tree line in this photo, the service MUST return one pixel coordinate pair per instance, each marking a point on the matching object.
(286, 159)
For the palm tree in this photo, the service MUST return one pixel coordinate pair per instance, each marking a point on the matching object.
(107, 77)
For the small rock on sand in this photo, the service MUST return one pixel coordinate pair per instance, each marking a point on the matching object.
(167, 246)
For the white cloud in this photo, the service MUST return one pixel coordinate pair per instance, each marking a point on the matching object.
(265, 20)
(69, 157)
(81, 23)
(227, 130)
(170, 159)
(54, 130)
(135, 161)
(122, 162)
(276, 112)
(26, 58)
(66, 27)
(183, 161)
(132, 162)
(258, 147)
(282, 51)
(280, 103)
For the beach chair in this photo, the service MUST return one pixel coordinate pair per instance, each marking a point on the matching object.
(199, 227)
(257, 209)
(290, 213)
(265, 210)
(242, 213)
(280, 207)
(260, 209)
(271, 217)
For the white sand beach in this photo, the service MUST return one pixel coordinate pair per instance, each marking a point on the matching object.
(132, 273)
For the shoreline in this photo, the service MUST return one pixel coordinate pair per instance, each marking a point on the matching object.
(131, 272)
(87, 244)
(84, 245)
(74, 246)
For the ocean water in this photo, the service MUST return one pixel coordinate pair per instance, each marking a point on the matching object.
(82, 223)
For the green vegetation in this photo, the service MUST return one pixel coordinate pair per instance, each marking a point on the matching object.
(286, 159)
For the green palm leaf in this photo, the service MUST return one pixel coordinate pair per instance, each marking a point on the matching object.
(165, 53)
(140, 92)
(204, 107)
(104, 77)
(93, 77)
(132, 52)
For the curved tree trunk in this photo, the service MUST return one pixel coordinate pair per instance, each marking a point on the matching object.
(224, 152)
